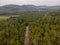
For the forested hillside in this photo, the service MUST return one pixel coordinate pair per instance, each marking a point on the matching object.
(17, 9)
(44, 28)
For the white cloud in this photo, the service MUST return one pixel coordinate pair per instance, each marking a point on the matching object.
(34, 2)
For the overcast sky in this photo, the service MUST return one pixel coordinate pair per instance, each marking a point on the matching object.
(30, 2)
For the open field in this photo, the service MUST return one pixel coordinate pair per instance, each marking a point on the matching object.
(6, 17)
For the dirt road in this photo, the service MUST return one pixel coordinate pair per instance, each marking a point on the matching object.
(27, 35)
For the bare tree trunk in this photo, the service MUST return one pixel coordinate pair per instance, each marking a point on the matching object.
(27, 35)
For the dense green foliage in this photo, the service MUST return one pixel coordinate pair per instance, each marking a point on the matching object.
(44, 28)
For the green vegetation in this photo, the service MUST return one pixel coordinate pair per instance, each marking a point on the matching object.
(4, 17)
(44, 28)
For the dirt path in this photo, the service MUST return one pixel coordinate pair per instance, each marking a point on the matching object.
(27, 35)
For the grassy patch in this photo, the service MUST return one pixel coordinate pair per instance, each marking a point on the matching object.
(4, 17)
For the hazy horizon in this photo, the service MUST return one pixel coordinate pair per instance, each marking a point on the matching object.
(30, 2)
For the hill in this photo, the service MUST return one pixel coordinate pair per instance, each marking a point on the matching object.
(16, 9)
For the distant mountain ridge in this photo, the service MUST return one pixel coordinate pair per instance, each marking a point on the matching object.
(12, 8)
(29, 7)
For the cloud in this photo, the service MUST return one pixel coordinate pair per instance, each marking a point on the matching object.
(34, 2)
